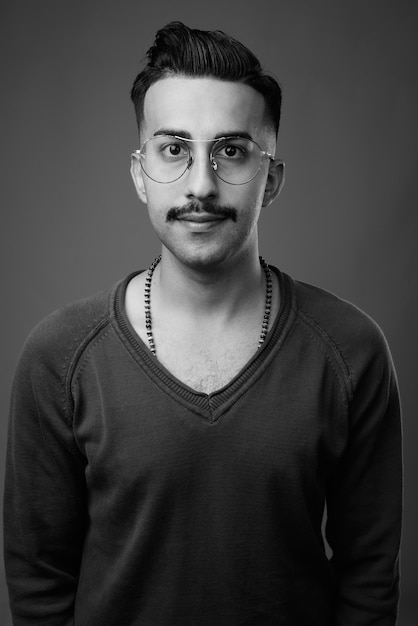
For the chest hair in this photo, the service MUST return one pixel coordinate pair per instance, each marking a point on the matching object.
(207, 365)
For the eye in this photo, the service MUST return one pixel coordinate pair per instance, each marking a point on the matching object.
(171, 150)
(174, 149)
(232, 151)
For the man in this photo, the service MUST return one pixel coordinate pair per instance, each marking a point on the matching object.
(174, 441)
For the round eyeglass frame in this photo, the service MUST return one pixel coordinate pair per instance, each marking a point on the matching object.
(263, 154)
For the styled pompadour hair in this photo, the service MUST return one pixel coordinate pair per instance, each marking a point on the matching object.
(179, 50)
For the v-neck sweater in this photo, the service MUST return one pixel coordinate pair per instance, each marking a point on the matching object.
(132, 500)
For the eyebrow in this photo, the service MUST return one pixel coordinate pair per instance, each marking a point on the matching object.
(186, 135)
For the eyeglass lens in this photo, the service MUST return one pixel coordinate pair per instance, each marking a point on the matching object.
(235, 160)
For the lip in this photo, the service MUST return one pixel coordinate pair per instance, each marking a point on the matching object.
(201, 218)
(201, 222)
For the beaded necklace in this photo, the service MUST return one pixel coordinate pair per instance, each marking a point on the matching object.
(147, 303)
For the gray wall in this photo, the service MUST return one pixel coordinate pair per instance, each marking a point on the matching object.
(346, 220)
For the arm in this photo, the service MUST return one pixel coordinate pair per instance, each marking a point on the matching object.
(44, 504)
(365, 497)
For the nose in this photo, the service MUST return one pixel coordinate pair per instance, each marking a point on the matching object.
(201, 180)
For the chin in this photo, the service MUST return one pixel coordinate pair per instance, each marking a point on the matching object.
(201, 259)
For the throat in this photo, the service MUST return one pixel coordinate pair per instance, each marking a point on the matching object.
(264, 323)
(206, 351)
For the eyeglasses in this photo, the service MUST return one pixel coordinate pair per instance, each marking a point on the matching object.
(235, 160)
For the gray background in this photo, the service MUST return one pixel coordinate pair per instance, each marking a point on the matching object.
(346, 220)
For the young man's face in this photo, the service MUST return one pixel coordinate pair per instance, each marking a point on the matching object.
(206, 108)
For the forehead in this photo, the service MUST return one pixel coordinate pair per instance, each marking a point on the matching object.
(203, 107)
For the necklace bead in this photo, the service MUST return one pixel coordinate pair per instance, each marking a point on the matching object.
(147, 303)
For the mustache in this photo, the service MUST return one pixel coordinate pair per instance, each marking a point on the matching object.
(228, 212)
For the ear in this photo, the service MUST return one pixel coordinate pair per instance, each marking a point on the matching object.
(138, 177)
(275, 182)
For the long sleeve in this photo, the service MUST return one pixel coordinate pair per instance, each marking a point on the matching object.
(365, 497)
(44, 504)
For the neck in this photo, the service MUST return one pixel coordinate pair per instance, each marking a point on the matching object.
(196, 291)
(232, 306)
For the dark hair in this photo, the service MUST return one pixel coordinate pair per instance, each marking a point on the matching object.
(179, 50)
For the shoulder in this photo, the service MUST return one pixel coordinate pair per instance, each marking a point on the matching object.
(41, 381)
(346, 332)
(335, 316)
(71, 323)
(57, 341)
